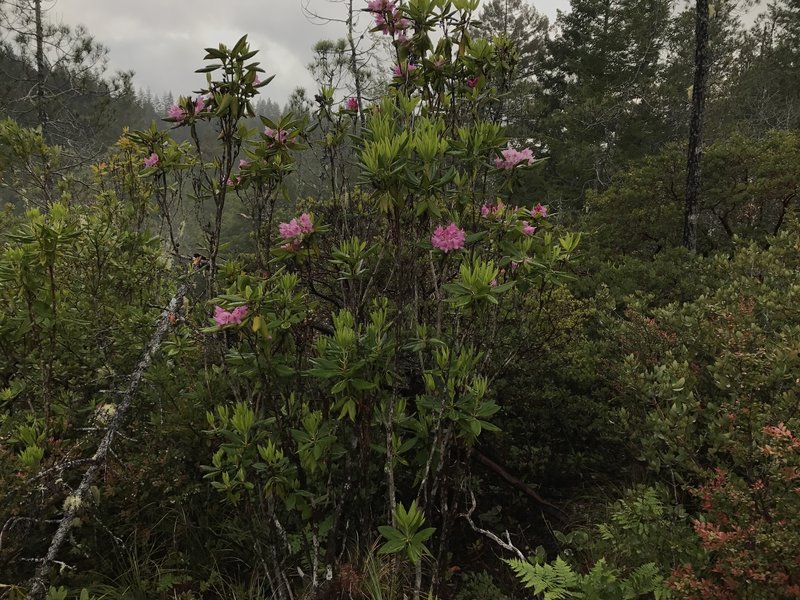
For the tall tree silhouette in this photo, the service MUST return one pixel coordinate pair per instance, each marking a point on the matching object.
(693, 166)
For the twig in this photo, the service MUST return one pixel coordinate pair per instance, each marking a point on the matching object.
(61, 467)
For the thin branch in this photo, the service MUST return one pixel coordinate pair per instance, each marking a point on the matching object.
(515, 481)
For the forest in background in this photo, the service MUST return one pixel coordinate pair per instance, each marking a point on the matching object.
(456, 324)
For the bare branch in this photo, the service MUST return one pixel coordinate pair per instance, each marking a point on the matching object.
(506, 544)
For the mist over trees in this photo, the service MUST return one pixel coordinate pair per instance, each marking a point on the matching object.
(504, 307)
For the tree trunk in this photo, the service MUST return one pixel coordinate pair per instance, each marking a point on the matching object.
(701, 64)
(354, 64)
(41, 112)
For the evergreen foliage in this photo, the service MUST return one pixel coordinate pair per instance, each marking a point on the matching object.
(441, 339)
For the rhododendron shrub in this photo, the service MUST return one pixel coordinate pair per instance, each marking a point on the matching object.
(356, 351)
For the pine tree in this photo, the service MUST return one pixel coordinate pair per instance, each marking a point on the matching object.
(597, 101)
(59, 85)
(519, 21)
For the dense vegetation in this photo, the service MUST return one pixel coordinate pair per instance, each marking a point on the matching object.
(432, 334)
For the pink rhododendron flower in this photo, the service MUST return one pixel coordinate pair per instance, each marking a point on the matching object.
(488, 210)
(294, 229)
(539, 211)
(472, 82)
(399, 71)
(493, 283)
(351, 104)
(380, 5)
(257, 81)
(387, 17)
(512, 157)
(176, 112)
(244, 163)
(304, 220)
(448, 238)
(528, 229)
(151, 161)
(279, 135)
(514, 266)
(235, 317)
(290, 230)
(200, 104)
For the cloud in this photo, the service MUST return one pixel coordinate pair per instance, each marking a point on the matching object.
(163, 41)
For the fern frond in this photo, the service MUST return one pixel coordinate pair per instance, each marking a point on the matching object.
(644, 580)
(556, 581)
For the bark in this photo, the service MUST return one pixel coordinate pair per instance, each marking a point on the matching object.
(693, 173)
(354, 63)
(41, 112)
(39, 582)
(41, 108)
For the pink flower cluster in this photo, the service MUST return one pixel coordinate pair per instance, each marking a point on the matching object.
(179, 114)
(351, 104)
(472, 82)
(539, 211)
(176, 112)
(400, 71)
(388, 19)
(151, 161)
(294, 230)
(512, 157)
(235, 317)
(448, 238)
(277, 135)
(492, 210)
(497, 210)
(528, 229)
(200, 104)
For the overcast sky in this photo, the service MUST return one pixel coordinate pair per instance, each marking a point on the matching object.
(163, 40)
